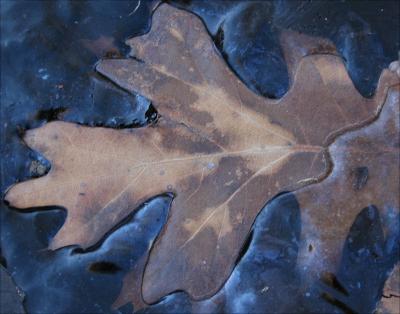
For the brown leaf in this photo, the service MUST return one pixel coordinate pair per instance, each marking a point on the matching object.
(365, 172)
(223, 150)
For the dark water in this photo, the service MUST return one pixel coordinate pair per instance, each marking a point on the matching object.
(48, 53)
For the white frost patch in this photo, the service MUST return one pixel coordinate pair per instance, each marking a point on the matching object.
(243, 302)
(43, 74)
(210, 165)
(233, 281)
(135, 9)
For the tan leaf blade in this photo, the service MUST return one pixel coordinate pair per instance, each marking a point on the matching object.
(223, 150)
(365, 172)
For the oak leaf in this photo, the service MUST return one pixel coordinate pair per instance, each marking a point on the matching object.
(221, 149)
(365, 175)
(365, 172)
